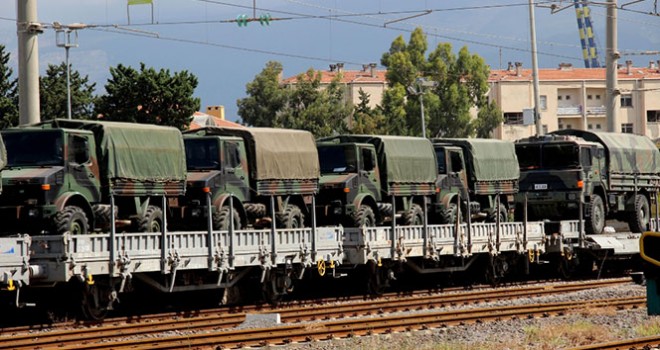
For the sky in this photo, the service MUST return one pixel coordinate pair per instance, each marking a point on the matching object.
(199, 36)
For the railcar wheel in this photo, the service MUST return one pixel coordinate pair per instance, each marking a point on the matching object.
(639, 219)
(376, 279)
(96, 299)
(414, 216)
(292, 217)
(496, 270)
(364, 217)
(72, 219)
(595, 221)
(221, 219)
(152, 220)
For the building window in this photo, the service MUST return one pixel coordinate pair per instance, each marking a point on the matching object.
(590, 126)
(513, 118)
(589, 97)
(627, 128)
(545, 129)
(598, 97)
(568, 97)
(543, 100)
(598, 126)
(626, 100)
(653, 116)
(569, 126)
(560, 126)
(559, 97)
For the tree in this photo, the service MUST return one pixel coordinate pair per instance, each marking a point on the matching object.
(307, 104)
(367, 120)
(265, 97)
(53, 94)
(8, 92)
(462, 83)
(149, 96)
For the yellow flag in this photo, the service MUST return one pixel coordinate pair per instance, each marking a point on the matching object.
(139, 2)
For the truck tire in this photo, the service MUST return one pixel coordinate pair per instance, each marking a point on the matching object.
(292, 217)
(639, 219)
(595, 221)
(254, 211)
(492, 214)
(221, 219)
(102, 216)
(448, 215)
(72, 219)
(364, 217)
(152, 220)
(414, 216)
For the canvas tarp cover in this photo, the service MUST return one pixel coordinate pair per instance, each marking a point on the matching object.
(626, 153)
(405, 159)
(276, 154)
(136, 152)
(490, 159)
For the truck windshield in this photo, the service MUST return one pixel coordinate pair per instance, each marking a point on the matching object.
(337, 159)
(34, 148)
(548, 156)
(202, 154)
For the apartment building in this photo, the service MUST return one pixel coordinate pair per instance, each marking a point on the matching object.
(575, 98)
(570, 97)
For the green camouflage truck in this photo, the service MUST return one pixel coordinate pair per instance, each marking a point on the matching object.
(62, 176)
(478, 170)
(362, 174)
(254, 165)
(615, 174)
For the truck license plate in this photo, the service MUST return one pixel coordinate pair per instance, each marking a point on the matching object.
(540, 186)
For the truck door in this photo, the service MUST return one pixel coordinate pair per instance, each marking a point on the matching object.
(456, 171)
(368, 172)
(84, 167)
(586, 161)
(235, 169)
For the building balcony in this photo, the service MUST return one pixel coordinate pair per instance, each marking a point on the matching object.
(596, 110)
(569, 110)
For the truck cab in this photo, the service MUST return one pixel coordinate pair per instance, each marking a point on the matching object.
(216, 165)
(349, 175)
(46, 170)
(451, 182)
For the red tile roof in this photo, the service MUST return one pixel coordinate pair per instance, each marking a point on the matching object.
(201, 120)
(559, 74)
(348, 77)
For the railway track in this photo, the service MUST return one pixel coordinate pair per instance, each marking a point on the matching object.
(219, 319)
(645, 343)
(345, 328)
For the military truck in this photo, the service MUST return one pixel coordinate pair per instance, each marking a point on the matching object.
(361, 176)
(253, 165)
(615, 175)
(63, 175)
(479, 171)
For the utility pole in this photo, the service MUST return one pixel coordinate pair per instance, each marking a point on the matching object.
(28, 28)
(63, 39)
(535, 70)
(612, 55)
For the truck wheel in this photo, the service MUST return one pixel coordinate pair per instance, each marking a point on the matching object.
(365, 217)
(639, 219)
(414, 216)
(292, 217)
(152, 220)
(449, 214)
(72, 219)
(492, 214)
(221, 219)
(595, 222)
